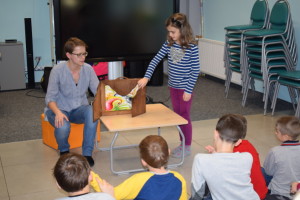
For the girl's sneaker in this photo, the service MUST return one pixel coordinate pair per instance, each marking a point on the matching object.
(177, 152)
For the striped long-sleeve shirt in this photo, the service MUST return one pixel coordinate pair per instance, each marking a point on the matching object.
(184, 65)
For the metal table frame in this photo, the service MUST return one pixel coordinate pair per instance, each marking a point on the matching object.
(112, 147)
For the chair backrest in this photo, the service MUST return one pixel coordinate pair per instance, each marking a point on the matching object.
(260, 13)
(281, 19)
(280, 15)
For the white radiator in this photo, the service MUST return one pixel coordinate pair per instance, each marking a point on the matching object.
(211, 59)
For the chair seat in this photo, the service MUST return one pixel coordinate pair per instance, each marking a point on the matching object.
(269, 40)
(255, 69)
(259, 76)
(234, 35)
(242, 27)
(271, 63)
(235, 63)
(235, 56)
(289, 82)
(236, 69)
(277, 70)
(275, 54)
(234, 42)
(235, 50)
(263, 32)
(294, 75)
(258, 48)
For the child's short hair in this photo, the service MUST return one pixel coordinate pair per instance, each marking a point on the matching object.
(154, 151)
(245, 124)
(288, 125)
(71, 172)
(72, 43)
(231, 128)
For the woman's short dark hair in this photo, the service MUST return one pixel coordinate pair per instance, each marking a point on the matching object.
(72, 43)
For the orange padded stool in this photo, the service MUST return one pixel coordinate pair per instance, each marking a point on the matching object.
(75, 137)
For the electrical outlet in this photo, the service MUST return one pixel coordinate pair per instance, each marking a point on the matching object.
(38, 58)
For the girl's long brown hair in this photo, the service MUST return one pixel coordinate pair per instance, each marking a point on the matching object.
(179, 20)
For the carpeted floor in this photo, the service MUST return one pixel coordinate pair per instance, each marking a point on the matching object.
(20, 110)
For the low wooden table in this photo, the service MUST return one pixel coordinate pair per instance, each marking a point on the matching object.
(156, 116)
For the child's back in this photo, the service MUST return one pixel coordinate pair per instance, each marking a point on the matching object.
(73, 174)
(157, 183)
(282, 162)
(148, 185)
(226, 174)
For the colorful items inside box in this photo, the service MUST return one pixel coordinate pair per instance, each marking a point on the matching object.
(114, 101)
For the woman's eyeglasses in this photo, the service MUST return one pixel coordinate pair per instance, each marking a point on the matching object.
(80, 54)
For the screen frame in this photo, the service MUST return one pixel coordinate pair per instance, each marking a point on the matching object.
(58, 41)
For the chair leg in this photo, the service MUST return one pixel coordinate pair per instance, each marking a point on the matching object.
(293, 97)
(297, 113)
(276, 90)
(266, 100)
(245, 94)
(269, 94)
(228, 80)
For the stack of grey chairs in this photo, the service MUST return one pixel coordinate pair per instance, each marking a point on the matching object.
(268, 52)
(233, 52)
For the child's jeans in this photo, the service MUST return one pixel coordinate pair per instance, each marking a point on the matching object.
(267, 177)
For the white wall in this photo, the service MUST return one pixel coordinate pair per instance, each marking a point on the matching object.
(12, 14)
(192, 9)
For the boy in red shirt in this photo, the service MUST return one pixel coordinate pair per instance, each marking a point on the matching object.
(257, 178)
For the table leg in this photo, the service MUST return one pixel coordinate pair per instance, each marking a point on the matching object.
(183, 149)
(112, 147)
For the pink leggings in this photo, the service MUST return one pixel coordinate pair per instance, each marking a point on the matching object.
(182, 108)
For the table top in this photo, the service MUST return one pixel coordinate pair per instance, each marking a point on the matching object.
(157, 115)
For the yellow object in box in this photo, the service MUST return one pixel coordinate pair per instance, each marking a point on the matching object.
(75, 137)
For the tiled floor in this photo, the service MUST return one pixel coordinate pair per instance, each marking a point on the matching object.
(26, 167)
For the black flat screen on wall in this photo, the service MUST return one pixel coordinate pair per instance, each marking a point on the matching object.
(113, 29)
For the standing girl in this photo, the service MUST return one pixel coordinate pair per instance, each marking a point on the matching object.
(184, 68)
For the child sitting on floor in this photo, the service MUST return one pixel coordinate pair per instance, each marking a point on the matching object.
(281, 166)
(227, 174)
(157, 183)
(73, 174)
(257, 178)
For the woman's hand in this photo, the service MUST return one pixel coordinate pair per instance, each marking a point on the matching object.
(143, 82)
(59, 119)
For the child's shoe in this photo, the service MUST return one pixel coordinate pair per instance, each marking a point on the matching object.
(177, 149)
(177, 152)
